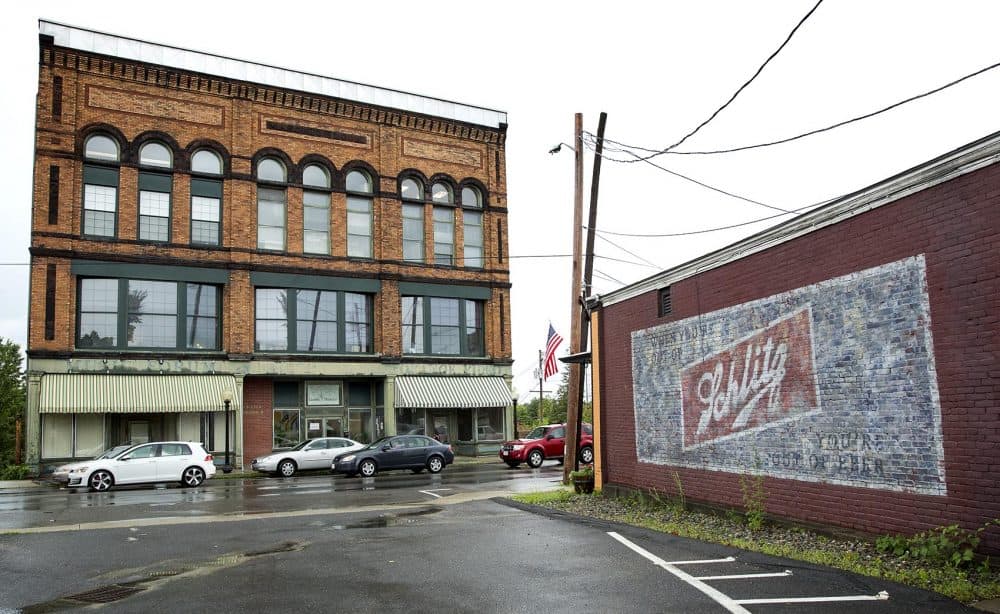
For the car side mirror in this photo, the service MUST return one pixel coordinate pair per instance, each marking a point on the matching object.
(548, 437)
(125, 458)
(386, 448)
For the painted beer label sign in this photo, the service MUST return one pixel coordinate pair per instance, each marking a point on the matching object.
(760, 381)
(833, 382)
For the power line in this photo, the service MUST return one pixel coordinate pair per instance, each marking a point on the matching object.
(748, 82)
(607, 277)
(630, 253)
(625, 148)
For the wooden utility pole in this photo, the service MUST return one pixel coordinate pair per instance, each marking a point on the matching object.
(573, 393)
(541, 381)
(588, 269)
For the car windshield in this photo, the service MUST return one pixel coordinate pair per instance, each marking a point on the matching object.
(378, 443)
(302, 444)
(113, 452)
(537, 433)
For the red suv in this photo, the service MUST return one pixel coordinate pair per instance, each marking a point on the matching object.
(546, 442)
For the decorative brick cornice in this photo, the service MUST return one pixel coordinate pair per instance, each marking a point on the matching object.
(53, 56)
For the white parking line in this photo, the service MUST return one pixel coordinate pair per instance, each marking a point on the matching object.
(748, 576)
(432, 492)
(883, 596)
(717, 596)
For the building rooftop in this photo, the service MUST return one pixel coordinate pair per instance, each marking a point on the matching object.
(211, 64)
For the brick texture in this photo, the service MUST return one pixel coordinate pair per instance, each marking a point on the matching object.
(954, 229)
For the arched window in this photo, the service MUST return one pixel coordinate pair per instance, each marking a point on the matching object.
(444, 224)
(271, 202)
(100, 187)
(206, 199)
(315, 210)
(412, 194)
(472, 227)
(206, 161)
(154, 192)
(101, 147)
(155, 154)
(359, 215)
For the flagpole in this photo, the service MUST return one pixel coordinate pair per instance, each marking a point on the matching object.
(541, 380)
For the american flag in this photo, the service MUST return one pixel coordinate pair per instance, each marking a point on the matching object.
(550, 353)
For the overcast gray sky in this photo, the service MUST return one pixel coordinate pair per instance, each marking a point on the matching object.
(658, 69)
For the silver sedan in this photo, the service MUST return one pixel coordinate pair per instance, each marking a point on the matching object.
(310, 454)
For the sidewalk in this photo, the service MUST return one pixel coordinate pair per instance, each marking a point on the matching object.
(6, 485)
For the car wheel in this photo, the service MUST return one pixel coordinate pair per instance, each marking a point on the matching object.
(367, 468)
(586, 455)
(535, 458)
(417, 470)
(435, 464)
(512, 465)
(286, 468)
(193, 476)
(101, 481)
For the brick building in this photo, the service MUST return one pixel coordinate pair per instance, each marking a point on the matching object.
(850, 356)
(331, 256)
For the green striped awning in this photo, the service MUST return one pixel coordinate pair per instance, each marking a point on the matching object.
(444, 392)
(79, 393)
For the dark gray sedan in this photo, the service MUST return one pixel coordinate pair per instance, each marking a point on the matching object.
(413, 452)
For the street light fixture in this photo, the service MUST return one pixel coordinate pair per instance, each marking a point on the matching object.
(227, 398)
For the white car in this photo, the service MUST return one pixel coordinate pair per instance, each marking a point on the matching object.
(147, 463)
(61, 473)
(310, 454)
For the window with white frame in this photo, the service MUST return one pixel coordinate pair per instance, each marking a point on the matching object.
(206, 198)
(412, 195)
(315, 210)
(100, 186)
(472, 228)
(271, 199)
(444, 224)
(359, 215)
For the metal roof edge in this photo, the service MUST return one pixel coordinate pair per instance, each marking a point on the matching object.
(83, 39)
(963, 160)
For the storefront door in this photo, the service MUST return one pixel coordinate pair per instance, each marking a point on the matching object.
(440, 426)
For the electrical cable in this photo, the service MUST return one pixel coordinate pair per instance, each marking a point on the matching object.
(607, 277)
(749, 81)
(625, 148)
(606, 240)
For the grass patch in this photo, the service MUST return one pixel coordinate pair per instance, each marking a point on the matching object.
(976, 583)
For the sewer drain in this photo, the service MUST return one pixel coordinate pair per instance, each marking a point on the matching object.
(106, 594)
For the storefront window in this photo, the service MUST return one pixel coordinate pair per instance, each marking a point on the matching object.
(189, 427)
(89, 435)
(361, 424)
(465, 419)
(489, 424)
(57, 436)
(409, 422)
(287, 428)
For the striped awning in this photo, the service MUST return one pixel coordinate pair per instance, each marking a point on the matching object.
(100, 394)
(444, 392)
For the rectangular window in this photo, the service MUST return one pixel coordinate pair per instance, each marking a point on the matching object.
(154, 207)
(100, 201)
(472, 223)
(89, 439)
(134, 314)
(413, 233)
(189, 426)
(57, 96)
(202, 317)
(442, 326)
(444, 235)
(270, 219)
(312, 321)
(359, 227)
(316, 223)
(72, 435)
(413, 325)
(287, 428)
(409, 421)
(489, 424)
(206, 211)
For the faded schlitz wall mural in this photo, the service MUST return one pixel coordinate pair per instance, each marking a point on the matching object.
(833, 382)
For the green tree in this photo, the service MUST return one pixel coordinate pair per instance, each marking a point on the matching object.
(12, 392)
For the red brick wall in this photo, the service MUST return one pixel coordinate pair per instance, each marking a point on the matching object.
(956, 226)
(258, 406)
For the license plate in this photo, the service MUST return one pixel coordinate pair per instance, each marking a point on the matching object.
(504, 453)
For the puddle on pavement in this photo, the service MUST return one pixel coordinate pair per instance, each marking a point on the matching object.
(388, 520)
(122, 590)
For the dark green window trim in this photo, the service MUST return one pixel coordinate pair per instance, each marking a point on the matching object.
(180, 340)
(155, 182)
(292, 319)
(205, 188)
(100, 175)
(163, 184)
(316, 282)
(477, 293)
(427, 326)
(152, 272)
